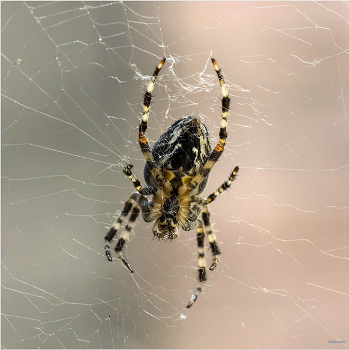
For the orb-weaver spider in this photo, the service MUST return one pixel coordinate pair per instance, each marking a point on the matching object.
(176, 173)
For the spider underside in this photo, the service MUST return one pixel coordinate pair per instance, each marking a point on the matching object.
(176, 173)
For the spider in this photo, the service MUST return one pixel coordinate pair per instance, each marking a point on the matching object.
(176, 173)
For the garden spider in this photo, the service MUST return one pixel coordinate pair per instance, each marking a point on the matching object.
(176, 172)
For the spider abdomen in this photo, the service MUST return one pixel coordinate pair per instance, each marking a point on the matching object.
(181, 152)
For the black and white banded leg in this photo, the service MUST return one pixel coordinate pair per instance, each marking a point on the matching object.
(223, 187)
(219, 148)
(143, 141)
(131, 203)
(202, 276)
(211, 237)
(145, 191)
(206, 218)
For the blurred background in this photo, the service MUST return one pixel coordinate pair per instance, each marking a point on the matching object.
(73, 77)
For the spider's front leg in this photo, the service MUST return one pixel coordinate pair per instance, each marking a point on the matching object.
(129, 204)
(136, 202)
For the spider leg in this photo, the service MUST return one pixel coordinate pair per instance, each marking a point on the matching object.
(224, 186)
(125, 236)
(136, 202)
(211, 237)
(144, 191)
(147, 207)
(201, 263)
(219, 148)
(143, 141)
(201, 254)
(116, 226)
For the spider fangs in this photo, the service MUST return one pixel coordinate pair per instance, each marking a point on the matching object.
(166, 227)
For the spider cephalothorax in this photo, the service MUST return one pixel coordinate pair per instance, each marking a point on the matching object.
(176, 173)
(167, 226)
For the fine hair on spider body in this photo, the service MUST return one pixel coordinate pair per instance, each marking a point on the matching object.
(176, 172)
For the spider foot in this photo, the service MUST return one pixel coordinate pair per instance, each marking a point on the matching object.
(125, 262)
(215, 263)
(108, 253)
(120, 257)
(194, 297)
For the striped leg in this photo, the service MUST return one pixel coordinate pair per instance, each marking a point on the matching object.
(219, 148)
(145, 191)
(125, 237)
(145, 148)
(211, 237)
(224, 186)
(201, 263)
(201, 255)
(116, 226)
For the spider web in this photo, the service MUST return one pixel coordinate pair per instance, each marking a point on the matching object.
(73, 77)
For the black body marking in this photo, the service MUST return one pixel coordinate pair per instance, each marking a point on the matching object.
(182, 150)
(171, 206)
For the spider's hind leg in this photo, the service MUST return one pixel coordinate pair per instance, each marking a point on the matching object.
(202, 277)
(211, 237)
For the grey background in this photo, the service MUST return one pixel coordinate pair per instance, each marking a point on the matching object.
(73, 75)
